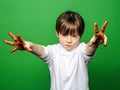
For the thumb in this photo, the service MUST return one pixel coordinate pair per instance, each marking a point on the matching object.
(105, 40)
(27, 46)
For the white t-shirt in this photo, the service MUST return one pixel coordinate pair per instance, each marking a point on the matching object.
(68, 69)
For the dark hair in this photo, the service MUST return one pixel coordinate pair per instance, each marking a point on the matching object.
(69, 22)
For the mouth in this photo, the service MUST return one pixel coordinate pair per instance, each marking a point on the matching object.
(68, 45)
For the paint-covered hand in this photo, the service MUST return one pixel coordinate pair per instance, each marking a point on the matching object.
(18, 43)
(99, 36)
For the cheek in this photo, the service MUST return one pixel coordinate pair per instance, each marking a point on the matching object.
(61, 40)
(76, 41)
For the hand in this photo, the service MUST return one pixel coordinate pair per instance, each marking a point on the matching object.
(19, 44)
(99, 36)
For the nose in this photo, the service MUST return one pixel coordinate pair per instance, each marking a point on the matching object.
(69, 39)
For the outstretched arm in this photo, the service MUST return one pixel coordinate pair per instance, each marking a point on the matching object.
(98, 38)
(20, 44)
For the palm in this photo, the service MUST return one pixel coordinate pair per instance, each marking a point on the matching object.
(18, 43)
(99, 36)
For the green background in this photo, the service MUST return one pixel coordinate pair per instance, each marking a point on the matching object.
(35, 20)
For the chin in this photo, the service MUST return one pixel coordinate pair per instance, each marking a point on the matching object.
(69, 49)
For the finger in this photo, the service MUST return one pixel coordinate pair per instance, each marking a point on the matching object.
(104, 26)
(100, 35)
(8, 42)
(12, 36)
(13, 50)
(96, 28)
(24, 45)
(20, 39)
(105, 40)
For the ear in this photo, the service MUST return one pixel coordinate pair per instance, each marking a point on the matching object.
(57, 34)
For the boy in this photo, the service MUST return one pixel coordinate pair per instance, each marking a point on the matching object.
(67, 60)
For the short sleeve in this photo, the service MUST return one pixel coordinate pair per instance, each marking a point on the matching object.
(48, 56)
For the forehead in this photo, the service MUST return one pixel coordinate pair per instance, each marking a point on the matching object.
(69, 29)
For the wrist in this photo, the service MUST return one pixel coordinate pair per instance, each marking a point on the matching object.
(28, 44)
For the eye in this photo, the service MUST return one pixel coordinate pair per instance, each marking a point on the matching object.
(74, 36)
(64, 35)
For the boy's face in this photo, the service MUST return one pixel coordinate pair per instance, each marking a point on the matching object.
(69, 42)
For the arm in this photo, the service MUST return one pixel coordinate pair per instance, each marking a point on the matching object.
(98, 38)
(36, 48)
(19, 44)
